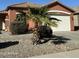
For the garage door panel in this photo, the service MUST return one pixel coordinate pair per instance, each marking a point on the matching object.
(63, 25)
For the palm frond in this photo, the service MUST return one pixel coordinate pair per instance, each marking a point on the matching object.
(40, 16)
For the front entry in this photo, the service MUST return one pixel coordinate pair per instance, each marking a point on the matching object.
(2, 21)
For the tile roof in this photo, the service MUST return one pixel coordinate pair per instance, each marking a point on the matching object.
(31, 5)
(25, 4)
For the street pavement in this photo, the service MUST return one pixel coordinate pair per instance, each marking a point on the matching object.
(68, 54)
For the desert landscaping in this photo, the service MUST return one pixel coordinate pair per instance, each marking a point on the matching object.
(21, 45)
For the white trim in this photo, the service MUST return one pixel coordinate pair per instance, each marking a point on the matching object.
(6, 19)
(18, 13)
(59, 11)
(3, 26)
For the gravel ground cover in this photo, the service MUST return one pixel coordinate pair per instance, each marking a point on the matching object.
(21, 45)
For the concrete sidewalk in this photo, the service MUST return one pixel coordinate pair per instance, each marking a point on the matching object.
(68, 54)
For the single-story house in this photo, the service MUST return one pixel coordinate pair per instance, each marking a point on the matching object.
(56, 10)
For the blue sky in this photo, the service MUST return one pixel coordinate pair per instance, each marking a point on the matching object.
(5, 3)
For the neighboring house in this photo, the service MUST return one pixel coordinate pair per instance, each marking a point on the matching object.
(76, 17)
(56, 10)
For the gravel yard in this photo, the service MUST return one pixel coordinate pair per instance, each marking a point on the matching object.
(21, 45)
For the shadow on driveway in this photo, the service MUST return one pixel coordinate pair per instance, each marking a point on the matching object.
(55, 40)
(7, 44)
(59, 40)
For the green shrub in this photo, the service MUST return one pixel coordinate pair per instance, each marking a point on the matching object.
(18, 28)
(19, 25)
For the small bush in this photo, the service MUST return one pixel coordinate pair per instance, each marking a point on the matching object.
(44, 32)
(18, 27)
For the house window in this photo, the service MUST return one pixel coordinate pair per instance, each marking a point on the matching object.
(20, 16)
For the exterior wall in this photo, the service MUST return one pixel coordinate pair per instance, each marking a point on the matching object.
(58, 7)
(31, 24)
(7, 23)
(12, 16)
(72, 22)
(76, 20)
(13, 12)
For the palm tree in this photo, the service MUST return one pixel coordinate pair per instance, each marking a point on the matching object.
(40, 16)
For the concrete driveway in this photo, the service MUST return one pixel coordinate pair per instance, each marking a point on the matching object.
(73, 35)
